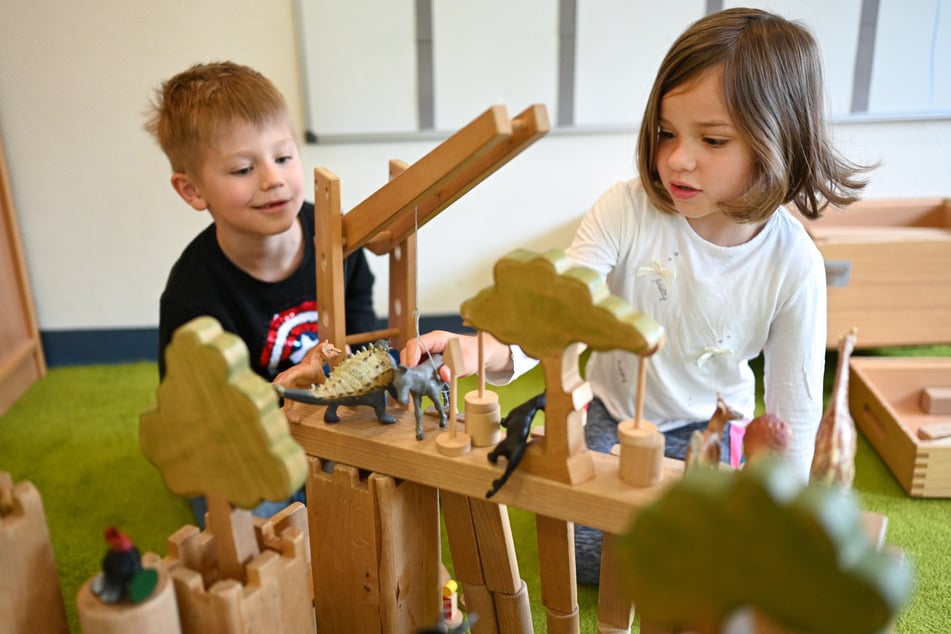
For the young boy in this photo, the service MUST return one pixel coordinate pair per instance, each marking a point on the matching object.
(227, 133)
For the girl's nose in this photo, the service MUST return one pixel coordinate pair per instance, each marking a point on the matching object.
(681, 158)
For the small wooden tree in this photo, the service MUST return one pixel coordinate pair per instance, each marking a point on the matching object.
(216, 430)
(549, 306)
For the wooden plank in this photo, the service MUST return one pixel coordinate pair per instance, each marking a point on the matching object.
(403, 283)
(423, 178)
(529, 126)
(556, 568)
(604, 501)
(615, 610)
(21, 352)
(934, 431)
(329, 254)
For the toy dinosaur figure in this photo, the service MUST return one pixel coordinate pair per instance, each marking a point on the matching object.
(704, 447)
(834, 459)
(366, 377)
(307, 373)
(518, 425)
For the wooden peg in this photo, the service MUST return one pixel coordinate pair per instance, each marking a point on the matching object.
(453, 442)
(642, 446)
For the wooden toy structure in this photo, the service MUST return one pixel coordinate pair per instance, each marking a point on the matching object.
(559, 479)
(374, 491)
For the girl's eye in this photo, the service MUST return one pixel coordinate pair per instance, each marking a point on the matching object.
(664, 134)
(715, 142)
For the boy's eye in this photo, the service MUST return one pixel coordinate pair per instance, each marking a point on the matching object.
(241, 171)
(285, 159)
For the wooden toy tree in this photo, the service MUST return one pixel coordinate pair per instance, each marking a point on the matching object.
(720, 541)
(216, 430)
(548, 306)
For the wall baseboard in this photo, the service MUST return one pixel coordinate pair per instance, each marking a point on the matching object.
(128, 345)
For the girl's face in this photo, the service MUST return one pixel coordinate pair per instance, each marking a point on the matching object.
(702, 159)
(251, 179)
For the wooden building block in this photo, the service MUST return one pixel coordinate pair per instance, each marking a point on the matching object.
(156, 615)
(936, 400)
(30, 595)
(375, 555)
(276, 597)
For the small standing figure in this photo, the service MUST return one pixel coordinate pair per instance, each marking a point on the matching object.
(766, 435)
(518, 425)
(704, 448)
(122, 576)
(834, 460)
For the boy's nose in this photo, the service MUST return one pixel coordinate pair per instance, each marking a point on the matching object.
(271, 178)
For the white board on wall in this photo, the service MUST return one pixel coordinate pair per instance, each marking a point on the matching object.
(362, 58)
(359, 65)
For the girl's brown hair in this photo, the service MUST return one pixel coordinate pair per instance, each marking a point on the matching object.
(189, 108)
(773, 88)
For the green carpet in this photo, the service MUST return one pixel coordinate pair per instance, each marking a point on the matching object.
(74, 435)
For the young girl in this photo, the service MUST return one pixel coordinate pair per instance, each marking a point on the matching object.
(733, 129)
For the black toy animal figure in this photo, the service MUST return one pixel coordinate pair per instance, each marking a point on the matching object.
(518, 425)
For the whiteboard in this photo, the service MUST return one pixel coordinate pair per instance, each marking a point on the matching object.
(371, 66)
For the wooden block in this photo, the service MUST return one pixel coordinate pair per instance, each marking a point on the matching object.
(936, 400)
(157, 615)
(30, 596)
(934, 431)
(615, 611)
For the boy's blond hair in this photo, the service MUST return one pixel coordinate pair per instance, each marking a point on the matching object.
(189, 108)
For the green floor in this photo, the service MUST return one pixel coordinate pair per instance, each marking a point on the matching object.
(75, 436)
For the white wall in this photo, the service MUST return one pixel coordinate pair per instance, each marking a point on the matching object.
(101, 226)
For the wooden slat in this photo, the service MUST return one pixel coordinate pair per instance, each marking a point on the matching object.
(604, 501)
(423, 178)
(329, 254)
(527, 127)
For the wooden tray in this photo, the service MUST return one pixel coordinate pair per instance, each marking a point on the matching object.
(885, 401)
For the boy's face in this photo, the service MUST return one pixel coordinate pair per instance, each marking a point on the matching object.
(250, 179)
(702, 158)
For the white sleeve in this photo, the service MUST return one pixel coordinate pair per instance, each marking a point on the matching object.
(794, 361)
(521, 363)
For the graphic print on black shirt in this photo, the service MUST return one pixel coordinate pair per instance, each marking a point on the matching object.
(290, 335)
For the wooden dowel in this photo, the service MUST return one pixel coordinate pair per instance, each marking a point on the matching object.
(639, 398)
(481, 367)
(373, 335)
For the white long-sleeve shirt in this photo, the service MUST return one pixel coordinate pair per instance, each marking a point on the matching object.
(720, 307)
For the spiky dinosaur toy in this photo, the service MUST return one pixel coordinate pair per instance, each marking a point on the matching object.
(364, 379)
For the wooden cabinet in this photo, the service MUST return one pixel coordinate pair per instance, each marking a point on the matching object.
(21, 354)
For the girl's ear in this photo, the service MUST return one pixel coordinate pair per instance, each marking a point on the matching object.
(186, 188)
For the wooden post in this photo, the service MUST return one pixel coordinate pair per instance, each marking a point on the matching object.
(157, 615)
(453, 442)
(30, 596)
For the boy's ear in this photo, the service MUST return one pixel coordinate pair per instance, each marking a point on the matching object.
(185, 187)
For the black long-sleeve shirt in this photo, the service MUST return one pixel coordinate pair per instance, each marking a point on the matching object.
(276, 320)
